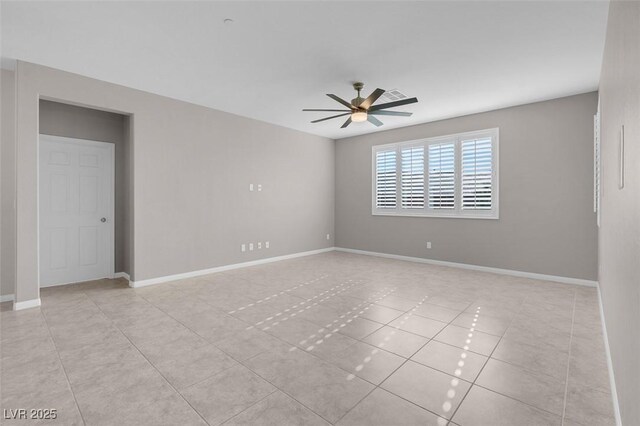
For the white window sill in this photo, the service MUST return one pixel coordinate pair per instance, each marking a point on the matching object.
(440, 216)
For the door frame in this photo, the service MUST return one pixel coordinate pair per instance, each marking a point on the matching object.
(111, 180)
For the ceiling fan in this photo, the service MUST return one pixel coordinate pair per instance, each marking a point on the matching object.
(364, 109)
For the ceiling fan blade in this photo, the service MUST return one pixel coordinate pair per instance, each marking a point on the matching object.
(346, 123)
(371, 119)
(371, 99)
(393, 104)
(396, 113)
(342, 101)
(329, 118)
(331, 110)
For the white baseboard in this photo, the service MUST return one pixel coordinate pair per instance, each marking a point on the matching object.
(6, 298)
(122, 275)
(533, 275)
(33, 303)
(167, 278)
(612, 380)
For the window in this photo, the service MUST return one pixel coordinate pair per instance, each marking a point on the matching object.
(449, 176)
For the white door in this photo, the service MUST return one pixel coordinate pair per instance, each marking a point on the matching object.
(76, 210)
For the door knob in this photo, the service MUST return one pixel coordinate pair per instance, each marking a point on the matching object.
(103, 220)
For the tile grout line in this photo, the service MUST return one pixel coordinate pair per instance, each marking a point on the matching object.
(310, 352)
(463, 311)
(433, 339)
(345, 322)
(276, 321)
(281, 292)
(208, 342)
(239, 361)
(303, 301)
(499, 393)
(62, 365)
(387, 324)
(147, 359)
(566, 383)
(278, 388)
(326, 362)
(329, 362)
(473, 383)
(376, 386)
(446, 405)
(255, 403)
(243, 362)
(239, 319)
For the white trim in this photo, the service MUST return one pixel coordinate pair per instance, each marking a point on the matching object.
(7, 298)
(380, 212)
(159, 280)
(612, 380)
(122, 275)
(523, 274)
(33, 303)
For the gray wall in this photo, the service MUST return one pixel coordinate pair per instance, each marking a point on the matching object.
(619, 271)
(546, 224)
(193, 165)
(60, 119)
(7, 183)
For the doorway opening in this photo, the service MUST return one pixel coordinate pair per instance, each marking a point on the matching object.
(85, 190)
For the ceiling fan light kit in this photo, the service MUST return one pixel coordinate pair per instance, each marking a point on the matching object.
(361, 110)
(358, 116)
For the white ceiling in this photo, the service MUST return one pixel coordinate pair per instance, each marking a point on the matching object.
(279, 57)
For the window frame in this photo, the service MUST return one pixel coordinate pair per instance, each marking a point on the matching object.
(457, 212)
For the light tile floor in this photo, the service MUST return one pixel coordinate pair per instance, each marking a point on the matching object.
(334, 338)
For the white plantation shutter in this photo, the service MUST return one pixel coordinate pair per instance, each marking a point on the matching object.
(447, 176)
(412, 177)
(477, 173)
(386, 179)
(442, 176)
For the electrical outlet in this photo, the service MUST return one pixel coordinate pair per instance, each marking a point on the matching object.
(428, 244)
(266, 244)
(250, 187)
(250, 246)
(243, 247)
(328, 236)
(259, 187)
(259, 245)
